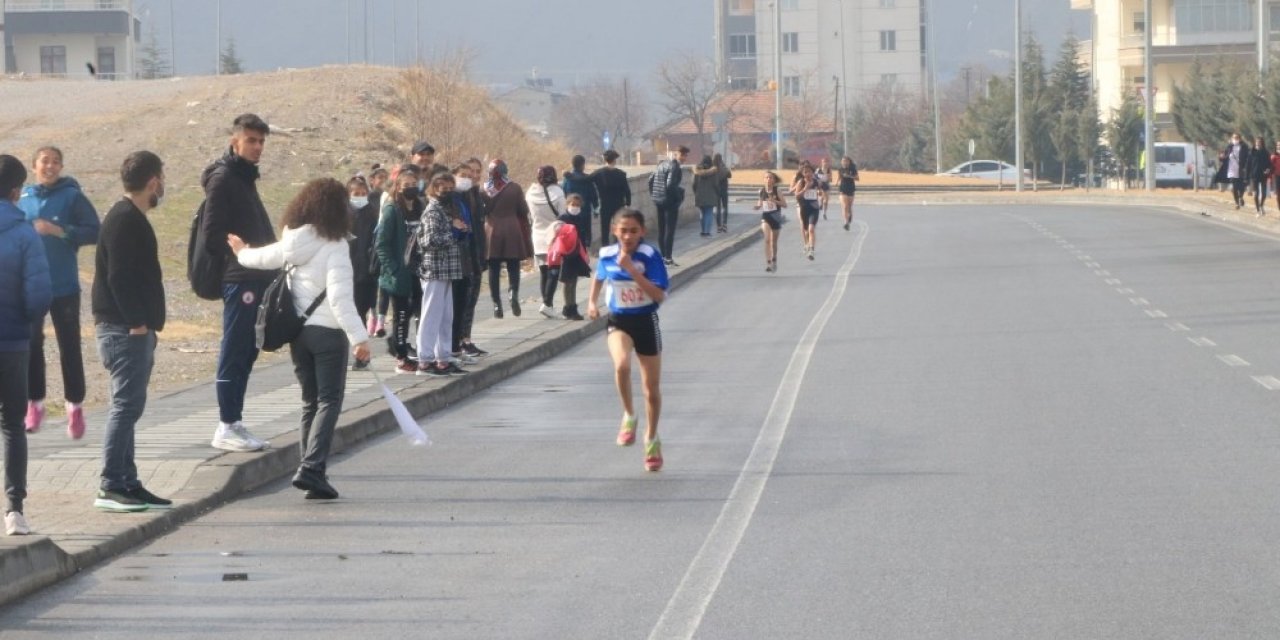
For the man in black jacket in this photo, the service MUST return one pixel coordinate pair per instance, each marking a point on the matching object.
(615, 193)
(232, 205)
(128, 311)
(668, 195)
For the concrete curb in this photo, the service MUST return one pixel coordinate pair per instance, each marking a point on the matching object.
(28, 565)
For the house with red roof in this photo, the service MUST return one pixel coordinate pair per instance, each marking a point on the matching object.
(740, 124)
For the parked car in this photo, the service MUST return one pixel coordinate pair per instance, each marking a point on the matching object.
(987, 170)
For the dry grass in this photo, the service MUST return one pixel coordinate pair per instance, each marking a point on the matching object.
(328, 121)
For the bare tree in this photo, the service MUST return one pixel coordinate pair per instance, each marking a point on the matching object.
(809, 113)
(688, 85)
(602, 104)
(882, 120)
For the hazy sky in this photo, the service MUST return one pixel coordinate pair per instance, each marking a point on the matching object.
(562, 39)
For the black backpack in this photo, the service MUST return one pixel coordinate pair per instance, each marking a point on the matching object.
(204, 269)
(278, 322)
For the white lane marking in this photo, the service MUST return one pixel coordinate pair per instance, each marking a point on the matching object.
(1270, 383)
(1233, 360)
(1141, 302)
(1202, 342)
(1113, 281)
(684, 612)
(1177, 326)
(1156, 313)
(1103, 272)
(1125, 290)
(1093, 265)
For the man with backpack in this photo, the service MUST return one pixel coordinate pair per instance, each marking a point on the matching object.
(668, 195)
(232, 206)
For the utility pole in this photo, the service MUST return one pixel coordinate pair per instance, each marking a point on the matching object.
(365, 31)
(1264, 39)
(1149, 106)
(417, 33)
(348, 21)
(844, 86)
(719, 41)
(626, 112)
(393, 34)
(173, 49)
(931, 43)
(217, 64)
(1017, 89)
(777, 74)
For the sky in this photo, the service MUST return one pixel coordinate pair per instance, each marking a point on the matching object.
(566, 40)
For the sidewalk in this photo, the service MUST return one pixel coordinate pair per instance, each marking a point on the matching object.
(175, 460)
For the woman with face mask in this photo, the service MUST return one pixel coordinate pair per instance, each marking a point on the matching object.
(506, 229)
(364, 256)
(396, 278)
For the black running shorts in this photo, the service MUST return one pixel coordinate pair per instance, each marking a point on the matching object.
(809, 213)
(772, 218)
(643, 330)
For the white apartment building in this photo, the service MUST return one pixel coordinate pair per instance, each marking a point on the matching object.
(866, 42)
(62, 38)
(1181, 32)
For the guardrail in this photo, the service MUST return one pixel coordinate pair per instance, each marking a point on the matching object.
(31, 6)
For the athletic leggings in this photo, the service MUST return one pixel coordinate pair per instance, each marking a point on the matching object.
(513, 277)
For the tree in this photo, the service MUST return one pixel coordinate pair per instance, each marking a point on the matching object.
(1037, 109)
(1088, 132)
(881, 121)
(1069, 95)
(153, 61)
(688, 86)
(602, 104)
(1124, 135)
(806, 114)
(229, 62)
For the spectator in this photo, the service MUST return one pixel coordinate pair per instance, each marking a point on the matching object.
(24, 275)
(546, 203)
(471, 205)
(577, 181)
(570, 255)
(507, 234)
(1231, 168)
(1258, 171)
(66, 221)
(128, 311)
(395, 278)
(233, 206)
(668, 195)
(706, 192)
(615, 193)
(314, 243)
(364, 255)
(440, 242)
(722, 187)
(424, 156)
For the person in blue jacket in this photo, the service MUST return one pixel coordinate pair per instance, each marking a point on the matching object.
(26, 290)
(579, 182)
(66, 221)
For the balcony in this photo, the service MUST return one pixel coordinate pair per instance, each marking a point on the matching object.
(34, 6)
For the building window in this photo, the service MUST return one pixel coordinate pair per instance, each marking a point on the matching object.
(1212, 16)
(742, 84)
(1139, 23)
(53, 60)
(742, 45)
(742, 7)
(1275, 18)
(789, 5)
(888, 40)
(887, 4)
(107, 61)
(53, 4)
(791, 42)
(791, 86)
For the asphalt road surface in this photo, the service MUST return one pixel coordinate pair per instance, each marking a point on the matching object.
(958, 422)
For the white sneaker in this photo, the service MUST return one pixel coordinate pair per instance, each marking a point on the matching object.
(549, 312)
(15, 524)
(262, 444)
(234, 437)
(463, 359)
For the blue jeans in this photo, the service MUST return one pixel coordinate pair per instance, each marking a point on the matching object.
(129, 359)
(240, 302)
(320, 363)
(708, 216)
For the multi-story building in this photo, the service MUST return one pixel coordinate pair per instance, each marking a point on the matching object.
(70, 38)
(1182, 31)
(866, 43)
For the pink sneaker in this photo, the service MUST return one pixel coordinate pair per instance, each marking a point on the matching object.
(75, 423)
(372, 325)
(35, 416)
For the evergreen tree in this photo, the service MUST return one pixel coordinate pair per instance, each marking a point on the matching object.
(1124, 135)
(1069, 96)
(1088, 132)
(153, 59)
(1037, 107)
(229, 61)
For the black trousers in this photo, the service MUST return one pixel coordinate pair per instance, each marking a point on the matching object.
(513, 278)
(13, 405)
(668, 216)
(65, 314)
(466, 292)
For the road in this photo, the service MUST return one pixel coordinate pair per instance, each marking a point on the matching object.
(958, 422)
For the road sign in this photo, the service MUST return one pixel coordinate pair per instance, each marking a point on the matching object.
(973, 146)
(606, 139)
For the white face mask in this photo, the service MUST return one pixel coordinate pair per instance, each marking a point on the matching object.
(462, 184)
(359, 202)
(575, 210)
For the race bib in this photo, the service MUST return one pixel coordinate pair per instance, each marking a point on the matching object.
(811, 194)
(769, 206)
(628, 295)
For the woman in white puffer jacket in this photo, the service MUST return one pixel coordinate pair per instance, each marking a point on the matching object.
(546, 202)
(314, 243)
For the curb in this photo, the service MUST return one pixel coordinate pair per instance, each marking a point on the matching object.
(37, 562)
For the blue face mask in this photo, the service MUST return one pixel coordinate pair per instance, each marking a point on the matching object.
(422, 186)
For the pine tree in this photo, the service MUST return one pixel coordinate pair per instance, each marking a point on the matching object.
(153, 59)
(1124, 134)
(229, 61)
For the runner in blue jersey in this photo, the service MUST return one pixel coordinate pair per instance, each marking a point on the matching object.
(635, 282)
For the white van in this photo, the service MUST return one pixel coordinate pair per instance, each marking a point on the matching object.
(1177, 163)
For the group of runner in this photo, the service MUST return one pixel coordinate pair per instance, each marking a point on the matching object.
(811, 187)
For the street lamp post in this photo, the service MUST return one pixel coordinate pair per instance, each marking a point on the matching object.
(217, 51)
(1149, 103)
(777, 74)
(1017, 91)
(844, 87)
(932, 43)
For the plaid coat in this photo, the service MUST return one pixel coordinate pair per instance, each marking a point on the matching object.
(441, 253)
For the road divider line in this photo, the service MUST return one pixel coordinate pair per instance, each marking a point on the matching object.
(1270, 383)
(1233, 360)
(1177, 326)
(1202, 342)
(1156, 313)
(687, 606)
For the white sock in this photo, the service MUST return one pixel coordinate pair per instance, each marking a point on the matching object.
(72, 406)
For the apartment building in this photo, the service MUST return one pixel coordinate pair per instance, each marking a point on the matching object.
(866, 43)
(70, 38)
(1181, 32)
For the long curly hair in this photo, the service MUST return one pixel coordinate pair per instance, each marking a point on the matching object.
(322, 203)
